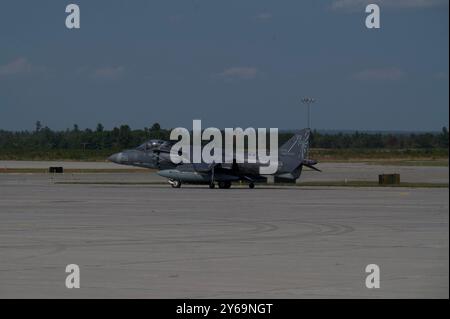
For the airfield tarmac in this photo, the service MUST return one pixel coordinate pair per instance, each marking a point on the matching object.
(336, 172)
(152, 241)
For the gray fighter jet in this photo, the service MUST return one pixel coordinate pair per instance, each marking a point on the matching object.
(155, 154)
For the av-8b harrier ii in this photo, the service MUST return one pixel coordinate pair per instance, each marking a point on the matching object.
(155, 154)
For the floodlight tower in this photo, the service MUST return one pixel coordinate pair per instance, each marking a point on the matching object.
(308, 101)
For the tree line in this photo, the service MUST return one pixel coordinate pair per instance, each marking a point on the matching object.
(44, 139)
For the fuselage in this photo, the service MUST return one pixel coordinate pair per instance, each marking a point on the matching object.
(155, 154)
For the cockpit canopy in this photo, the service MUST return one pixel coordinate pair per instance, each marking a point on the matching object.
(153, 144)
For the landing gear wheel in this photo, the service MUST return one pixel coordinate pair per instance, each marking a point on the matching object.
(212, 185)
(175, 184)
(225, 185)
(251, 185)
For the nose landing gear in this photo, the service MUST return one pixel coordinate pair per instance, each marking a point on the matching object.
(175, 183)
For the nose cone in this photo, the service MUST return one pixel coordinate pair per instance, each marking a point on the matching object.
(115, 158)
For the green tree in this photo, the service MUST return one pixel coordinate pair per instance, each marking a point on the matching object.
(125, 136)
(155, 127)
(443, 138)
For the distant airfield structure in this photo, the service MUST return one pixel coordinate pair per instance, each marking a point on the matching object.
(308, 101)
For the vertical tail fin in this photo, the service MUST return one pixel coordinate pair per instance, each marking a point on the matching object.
(294, 152)
(297, 146)
(295, 155)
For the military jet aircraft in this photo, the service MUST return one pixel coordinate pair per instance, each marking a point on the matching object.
(155, 154)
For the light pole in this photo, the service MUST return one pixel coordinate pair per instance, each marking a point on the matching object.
(308, 101)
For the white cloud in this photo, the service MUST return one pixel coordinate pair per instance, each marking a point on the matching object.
(352, 5)
(240, 73)
(380, 74)
(108, 73)
(19, 66)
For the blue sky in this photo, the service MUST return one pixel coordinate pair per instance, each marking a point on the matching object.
(228, 63)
